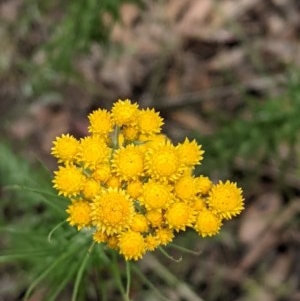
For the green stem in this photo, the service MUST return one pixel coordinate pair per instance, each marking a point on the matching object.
(67, 277)
(80, 272)
(169, 256)
(117, 274)
(149, 283)
(128, 277)
(183, 249)
(115, 138)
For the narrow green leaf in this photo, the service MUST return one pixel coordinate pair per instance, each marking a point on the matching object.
(70, 272)
(24, 255)
(80, 272)
(54, 229)
(52, 204)
(150, 284)
(47, 272)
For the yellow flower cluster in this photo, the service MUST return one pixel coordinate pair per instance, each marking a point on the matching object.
(135, 189)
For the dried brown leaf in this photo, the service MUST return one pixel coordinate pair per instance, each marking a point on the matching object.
(258, 217)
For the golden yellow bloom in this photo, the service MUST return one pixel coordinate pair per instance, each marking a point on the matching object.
(113, 241)
(112, 211)
(190, 152)
(151, 242)
(163, 163)
(114, 182)
(79, 214)
(93, 151)
(135, 189)
(68, 180)
(65, 148)
(164, 235)
(154, 217)
(130, 132)
(188, 171)
(99, 236)
(91, 188)
(179, 216)
(100, 123)
(226, 199)
(203, 184)
(156, 195)
(124, 112)
(149, 121)
(132, 245)
(139, 223)
(207, 223)
(151, 141)
(199, 204)
(154, 139)
(185, 188)
(128, 162)
(101, 173)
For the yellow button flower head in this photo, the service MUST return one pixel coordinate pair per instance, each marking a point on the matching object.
(190, 152)
(199, 204)
(203, 184)
(124, 112)
(151, 141)
(151, 242)
(113, 241)
(154, 217)
(163, 163)
(99, 236)
(93, 151)
(100, 123)
(132, 245)
(114, 182)
(134, 189)
(207, 223)
(185, 188)
(68, 180)
(128, 162)
(65, 149)
(156, 195)
(112, 211)
(130, 132)
(179, 216)
(101, 173)
(139, 223)
(149, 122)
(91, 188)
(226, 199)
(79, 214)
(164, 235)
